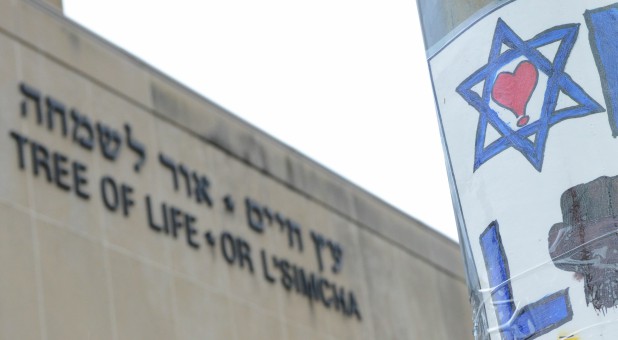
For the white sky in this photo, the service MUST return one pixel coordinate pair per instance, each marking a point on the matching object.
(343, 81)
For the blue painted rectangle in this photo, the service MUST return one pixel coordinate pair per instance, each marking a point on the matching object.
(603, 26)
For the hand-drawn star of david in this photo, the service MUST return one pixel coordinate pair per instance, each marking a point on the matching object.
(558, 81)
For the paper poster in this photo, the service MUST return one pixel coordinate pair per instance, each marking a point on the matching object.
(528, 105)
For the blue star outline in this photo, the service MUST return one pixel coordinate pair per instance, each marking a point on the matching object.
(558, 81)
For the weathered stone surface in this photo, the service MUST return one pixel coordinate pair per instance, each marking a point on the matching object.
(199, 226)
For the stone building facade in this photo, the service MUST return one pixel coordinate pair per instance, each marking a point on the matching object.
(133, 208)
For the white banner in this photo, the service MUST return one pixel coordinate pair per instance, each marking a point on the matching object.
(528, 105)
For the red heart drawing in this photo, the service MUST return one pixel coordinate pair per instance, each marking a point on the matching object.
(513, 90)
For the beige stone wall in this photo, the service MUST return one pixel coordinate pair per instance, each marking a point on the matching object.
(57, 4)
(75, 267)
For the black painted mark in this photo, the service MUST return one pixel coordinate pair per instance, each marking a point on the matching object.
(229, 203)
(210, 239)
(336, 251)
(236, 251)
(586, 241)
(137, 147)
(55, 107)
(196, 185)
(83, 132)
(116, 195)
(109, 140)
(55, 167)
(260, 216)
(173, 222)
(33, 95)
